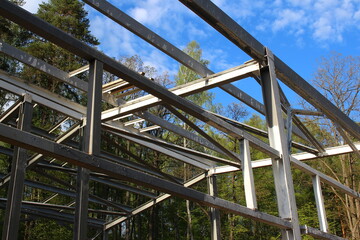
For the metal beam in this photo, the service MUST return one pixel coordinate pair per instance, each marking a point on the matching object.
(284, 188)
(178, 130)
(209, 159)
(110, 64)
(146, 34)
(184, 90)
(42, 96)
(54, 215)
(100, 178)
(142, 161)
(183, 118)
(34, 159)
(347, 140)
(163, 150)
(79, 70)
(319, 234)
(247, 170)
(307, 112)
(92, 142)
(214, 213)
(11, 111)
(151, 203)
(16, 184)
(324, 178)
(263, 133)
(41, 65)
(72, 194)
(94, 163)
(241, 38)
(55, 35)
(320, 206)
(256, 105)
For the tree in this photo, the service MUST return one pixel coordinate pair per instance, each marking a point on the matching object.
(203, 99)
(69, 16)
(14, 35)
(338, 79)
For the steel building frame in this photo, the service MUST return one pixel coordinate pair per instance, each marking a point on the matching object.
(96, 165)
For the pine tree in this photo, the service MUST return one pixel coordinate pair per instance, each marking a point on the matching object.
(69, 16)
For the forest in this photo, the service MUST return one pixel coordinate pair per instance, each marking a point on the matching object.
(337, 78)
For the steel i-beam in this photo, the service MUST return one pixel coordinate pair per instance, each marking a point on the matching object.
(91, 140)
(16, 185)
(214, 213)
(278, 140)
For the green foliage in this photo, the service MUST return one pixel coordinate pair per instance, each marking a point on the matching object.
(185, 75)
(69, 16)
(12, 34)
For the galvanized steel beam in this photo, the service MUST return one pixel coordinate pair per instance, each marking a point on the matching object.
(285, 194)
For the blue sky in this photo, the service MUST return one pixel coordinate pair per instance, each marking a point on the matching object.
(297, 31)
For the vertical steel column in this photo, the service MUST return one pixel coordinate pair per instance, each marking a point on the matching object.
(278, 140)
(320, 206)
(16, 184)
(105, 235)
(289, 128)
(248, 176)
(91, 145)
(214, 213)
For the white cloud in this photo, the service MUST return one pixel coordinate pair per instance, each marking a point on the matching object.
(323, 20)
(323, 29)
(151, 12)
(160, 62)
(115, 40)
(357, 16)
(288, 18)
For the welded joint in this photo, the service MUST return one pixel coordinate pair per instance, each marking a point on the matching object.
(27, 98)
(268, 55)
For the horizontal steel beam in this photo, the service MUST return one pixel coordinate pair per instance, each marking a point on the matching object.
(42, 96)
(54, 215)
(319, 234)
(178, 130)
(296, 160)
(324, 178)
(101, 179)
(94, 163)
(41, 65)
(184, 90)
(151, 203)
(163, 150)
(211, 160)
